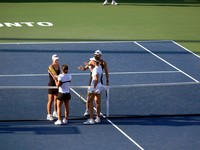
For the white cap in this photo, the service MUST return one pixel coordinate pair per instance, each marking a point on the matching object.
(98, 52)
(55, 57)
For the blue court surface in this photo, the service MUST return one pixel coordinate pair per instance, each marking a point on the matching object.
(154, 97)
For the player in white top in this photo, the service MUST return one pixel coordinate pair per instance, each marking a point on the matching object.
(64, 95)
(94, 91)
(90, 65)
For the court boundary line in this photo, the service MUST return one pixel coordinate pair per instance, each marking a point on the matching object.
(18, 43)
(83, 74)
(26, 43)
(173, 66)
(186, 49)
(114, 125)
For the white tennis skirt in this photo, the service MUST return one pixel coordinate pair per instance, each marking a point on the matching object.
(99, 88)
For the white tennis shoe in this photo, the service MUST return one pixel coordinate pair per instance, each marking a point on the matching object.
(64, 121)
(49, 117)
(55, 114)
(58, 122)
(89, 122)
(98, 120)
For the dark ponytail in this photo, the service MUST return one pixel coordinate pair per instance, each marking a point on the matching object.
(65, 68)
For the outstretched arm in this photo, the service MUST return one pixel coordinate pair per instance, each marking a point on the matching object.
(87, 66)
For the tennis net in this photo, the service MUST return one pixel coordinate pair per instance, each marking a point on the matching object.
(158, 99)
(30, 102)
(138, 100)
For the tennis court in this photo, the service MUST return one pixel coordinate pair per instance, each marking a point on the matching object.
(153, 101)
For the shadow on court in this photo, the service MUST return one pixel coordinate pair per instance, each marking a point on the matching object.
(173, 121)
(38, 127)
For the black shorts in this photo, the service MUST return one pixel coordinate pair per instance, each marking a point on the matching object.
(64, 96)
(52, 91)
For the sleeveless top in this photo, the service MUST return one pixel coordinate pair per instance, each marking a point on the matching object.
(51, 80)
(101, 79)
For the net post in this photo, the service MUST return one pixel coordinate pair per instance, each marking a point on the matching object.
(107, 101)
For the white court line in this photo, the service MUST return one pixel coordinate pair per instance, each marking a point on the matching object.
(80, 42)
(166, 62)
(114, 125)
(143, 72)
(82, 74)
(65, 42)
(186, 49)
(23, 75)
